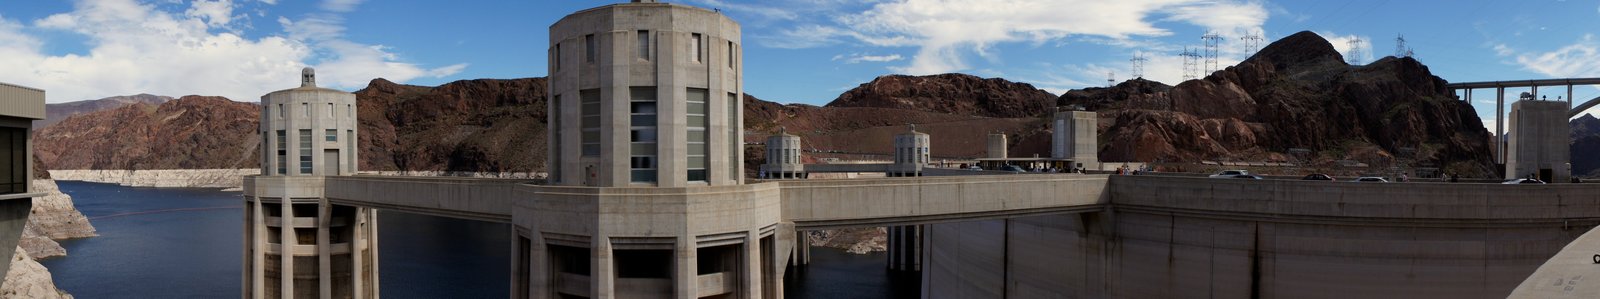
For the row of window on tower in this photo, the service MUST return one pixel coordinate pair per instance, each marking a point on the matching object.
(304, 136)
(643, 133)
(305, 108)
(643, 43)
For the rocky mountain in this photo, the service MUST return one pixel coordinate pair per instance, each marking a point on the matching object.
(959, 94)
(1295, 93)
(193, 132)
(54, 113)
(1585, 140)
(484, 125)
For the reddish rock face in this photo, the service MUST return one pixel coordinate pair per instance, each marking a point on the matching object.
(193, 132)
(1295, 93)
(949, 93)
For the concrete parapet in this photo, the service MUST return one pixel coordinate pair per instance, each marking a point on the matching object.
(818, 204)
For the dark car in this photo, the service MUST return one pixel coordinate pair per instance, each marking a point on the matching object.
(1318, 177)
(1247, 176)
(1012, 168)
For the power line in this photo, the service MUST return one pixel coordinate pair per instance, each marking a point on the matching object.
(1138, 64)
(1211, 39)
(1252, 43)
(1355, 51)
(1400, 48)
(1190, 58)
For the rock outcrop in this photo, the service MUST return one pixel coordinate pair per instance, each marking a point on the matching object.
(28, 279)
(958, 94)
(484, 125)
(193, 132)
(53, 217)
(54, 113)
(1585, 139)
(1295, 93)
(852, 240)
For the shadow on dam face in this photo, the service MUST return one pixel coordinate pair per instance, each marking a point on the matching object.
(423, 256)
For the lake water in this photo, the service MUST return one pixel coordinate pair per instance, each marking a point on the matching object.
(185, 243)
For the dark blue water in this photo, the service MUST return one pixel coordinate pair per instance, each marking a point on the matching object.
(192, 250)
(834, 273)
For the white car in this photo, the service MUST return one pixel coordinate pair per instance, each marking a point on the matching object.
(1371, 179)
(1228, 174)
(1522, 181)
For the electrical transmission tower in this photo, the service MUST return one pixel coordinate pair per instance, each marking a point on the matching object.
(1111, 79)
(1190, 59)
(1252, 43)
(1400, 47)
(1138, 64)
(1355, 51)
(1211, 40)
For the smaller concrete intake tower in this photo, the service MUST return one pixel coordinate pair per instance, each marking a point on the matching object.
(298, 244)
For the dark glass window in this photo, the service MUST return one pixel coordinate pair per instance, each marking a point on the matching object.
(13, 160)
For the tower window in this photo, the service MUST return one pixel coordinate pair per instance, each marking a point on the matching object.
(590, 127)
(697, 144)
(555, 138)
(283, 145)
(305, 151)
(332, 135)
(330, 110)
(734, 142)
(644, 44)
(642, 137)
(695, 53)
(588, 48)
(730, 55)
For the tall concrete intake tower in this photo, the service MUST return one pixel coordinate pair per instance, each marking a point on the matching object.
(298, 244)
(646, 195)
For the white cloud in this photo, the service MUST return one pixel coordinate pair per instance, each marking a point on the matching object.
(139, 48)
(340, 5)
(1503, 50)
(854, 58)
(946, 30)
(216, 13)
(1580, 59)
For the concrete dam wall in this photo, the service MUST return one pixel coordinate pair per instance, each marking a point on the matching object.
(1168, 237)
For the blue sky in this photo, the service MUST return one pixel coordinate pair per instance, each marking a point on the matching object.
(799, 51)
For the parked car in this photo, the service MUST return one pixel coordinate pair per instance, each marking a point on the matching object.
(974, 167)
(1012, 168)
(1230, 173)
(1318, 177)
(1247, 176)
(1371, 179)
(1523, 181)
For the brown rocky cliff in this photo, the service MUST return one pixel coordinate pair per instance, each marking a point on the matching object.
(54, 113)
(958, 94)
(473, 125)
(193, 132)
(1295, 93)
